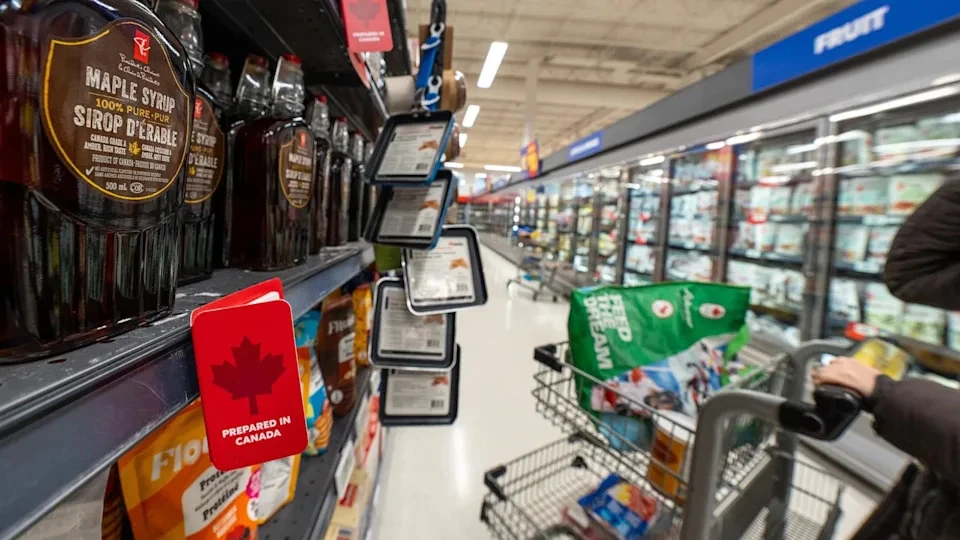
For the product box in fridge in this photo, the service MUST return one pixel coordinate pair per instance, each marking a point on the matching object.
(667, 345)
(851, 243)
(869, 195)
(780, 198)
(909, 191)
(803, 199)
(856, 148)
(953, 330)
(790, 239)
(703, 232)
(881, 238)
(760, 199)
(796, 284)
(890, 141)
(845, 300)
(766, 236)
(924, 323)
(172, 490)
(881, 309)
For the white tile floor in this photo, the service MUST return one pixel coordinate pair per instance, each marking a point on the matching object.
(433, 481)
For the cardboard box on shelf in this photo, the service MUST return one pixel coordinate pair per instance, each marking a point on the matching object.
(348, 516)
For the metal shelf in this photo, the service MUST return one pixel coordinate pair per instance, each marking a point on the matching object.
(308, 514)
(64, 420)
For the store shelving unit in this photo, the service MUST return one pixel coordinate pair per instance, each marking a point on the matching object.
(67, 419)
(308, 515)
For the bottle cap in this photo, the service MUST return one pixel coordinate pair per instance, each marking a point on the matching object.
(257, 60)
(321, 99)
(218, 58)
(292, 58)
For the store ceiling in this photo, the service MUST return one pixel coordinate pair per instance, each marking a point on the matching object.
(598, 61)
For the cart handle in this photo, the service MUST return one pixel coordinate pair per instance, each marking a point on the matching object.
(832, 412)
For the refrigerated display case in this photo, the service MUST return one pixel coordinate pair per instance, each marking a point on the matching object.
(607, 204)
(566, 222)
(886, 164)
(583, 239)
(641, 246)
(773, 205)
(695, 181)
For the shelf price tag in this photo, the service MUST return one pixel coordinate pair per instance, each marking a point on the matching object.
(403, 339)
(411, 216)
(447, 278)
(409, 148)
(249, 379)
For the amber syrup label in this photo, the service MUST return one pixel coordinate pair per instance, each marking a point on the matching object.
(205, 160)
(115, 111)
(296, 162)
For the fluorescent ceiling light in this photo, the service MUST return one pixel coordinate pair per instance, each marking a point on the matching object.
(716, 145)
(453, 165)
(655, 160)
(501, 168)
(742, 139)
(471, 116)
(490, 66)
(463, 140)
(922, 97)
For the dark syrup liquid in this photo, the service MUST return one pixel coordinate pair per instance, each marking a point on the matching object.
(76, 265)
(337, 209)
(269, 233)
(199, 227)
(321, 191)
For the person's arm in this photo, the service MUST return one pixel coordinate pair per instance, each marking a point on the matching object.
(923, 266)
(918, 416)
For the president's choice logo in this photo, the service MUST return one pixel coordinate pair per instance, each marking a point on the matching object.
(851, 31)
(141, 47)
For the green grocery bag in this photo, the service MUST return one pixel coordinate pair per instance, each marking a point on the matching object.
(666, 345)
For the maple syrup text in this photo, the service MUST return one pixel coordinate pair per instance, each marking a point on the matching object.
(120, 87)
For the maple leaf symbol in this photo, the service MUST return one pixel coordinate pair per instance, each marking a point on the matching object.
(250, 376)
(365, 10)
(134, 148)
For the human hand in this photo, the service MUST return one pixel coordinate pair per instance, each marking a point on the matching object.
(848, 373)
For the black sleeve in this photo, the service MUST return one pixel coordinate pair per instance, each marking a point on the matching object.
(921, 418)
(923, 266)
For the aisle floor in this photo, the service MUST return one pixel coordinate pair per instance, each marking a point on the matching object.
(433, 482)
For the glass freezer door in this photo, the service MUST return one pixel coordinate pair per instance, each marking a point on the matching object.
(694, 194)
(643, 215)
(773, 207)
(566, 223)
(886, 165)
(608, 204)
(584, 233)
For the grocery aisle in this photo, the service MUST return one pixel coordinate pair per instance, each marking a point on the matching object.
(433, 484)
(434, 479)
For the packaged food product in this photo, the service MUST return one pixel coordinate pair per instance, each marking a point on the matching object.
(780, 199)
(679, 335)
(844, 300)
(334, 350)
(869, 195)
(621, 509)
(796, 284)
(766, 234)
(881, 309)
(347, 520)
(760, 199)
(111, 522)
(171, 489)
(760, 284)
(681, 230)
(89, 250)
(790, 239)
(880, 240)
(767, 159)
(707, 202)
(318, 410)
(278, 484)
(889, 359)
(953, 330)
(703, 232)
(702, 268)
(742, 201)
(851, 243)
(777, 288)
(803, 199)
(845, 198)
(363, 314)
(856, 148)
(924, 323)
(889, 140)
(909, 191)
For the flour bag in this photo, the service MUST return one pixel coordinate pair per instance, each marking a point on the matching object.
(666, 345)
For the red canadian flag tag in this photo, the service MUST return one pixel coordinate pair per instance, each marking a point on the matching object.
(249, 382)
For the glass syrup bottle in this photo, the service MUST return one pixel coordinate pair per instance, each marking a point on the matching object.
(90, 190)
(206, 160)
(355, 218)
(341, 171)
(252, 102)
(370, 191)
(318, 116)
(274, 177)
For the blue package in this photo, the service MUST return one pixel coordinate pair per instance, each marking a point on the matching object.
(318, 411)
(621, 508)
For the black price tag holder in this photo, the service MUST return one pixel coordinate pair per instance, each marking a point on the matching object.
(447, 278)
(404, 340)
(409, 150)
(420, 398)
(412, 217)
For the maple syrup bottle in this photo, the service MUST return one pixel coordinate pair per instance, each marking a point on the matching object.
(318, 116)
(252, 103)
(206, 160)
(341, 171)
(358, 190)
(90, 191)
(370, 191)
(273, 179)
(215, 79)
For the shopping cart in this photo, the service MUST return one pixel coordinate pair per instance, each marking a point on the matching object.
(535, 274)
(745, 479)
